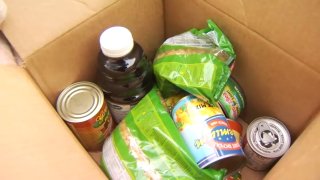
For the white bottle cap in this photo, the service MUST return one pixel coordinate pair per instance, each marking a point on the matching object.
(116, 41)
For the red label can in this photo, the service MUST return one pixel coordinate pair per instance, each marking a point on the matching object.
(83, 107)
(236, 127)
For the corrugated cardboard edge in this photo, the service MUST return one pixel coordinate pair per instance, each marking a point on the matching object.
(291, 26)
(41, 70)
(31, 25)
(35, 142)
(259, 62)
(6, 52)
(302, 161)
(26, 62)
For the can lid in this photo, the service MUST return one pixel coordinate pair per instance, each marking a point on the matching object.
(116, 41)
(80, 101)
(268, 137)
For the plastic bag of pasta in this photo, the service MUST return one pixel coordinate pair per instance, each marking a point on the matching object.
(147, 145)
(197, 61)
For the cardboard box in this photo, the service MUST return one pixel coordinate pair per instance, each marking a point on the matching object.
(277, 65)
(58, 39)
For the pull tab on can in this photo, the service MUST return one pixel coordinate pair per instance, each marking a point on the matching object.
(267, 139)
(267, 135)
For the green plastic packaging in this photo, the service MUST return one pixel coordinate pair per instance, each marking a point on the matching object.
(147, 145)
(196, 61)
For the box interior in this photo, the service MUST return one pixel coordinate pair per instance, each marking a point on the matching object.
(273, 80)
(277, 63)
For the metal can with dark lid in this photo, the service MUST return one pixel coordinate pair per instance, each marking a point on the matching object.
(83, 107)
(267, 139)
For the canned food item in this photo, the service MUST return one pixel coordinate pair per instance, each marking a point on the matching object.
(171, 101)
(236, 128)
(205, 130)
(232, 100)
(267, 139)
(83, 107)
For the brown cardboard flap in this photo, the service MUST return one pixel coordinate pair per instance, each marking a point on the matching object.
(35, 143)
(70, 51)
(302, 161)
(249, 174)
(292, 25)
(6, 55)
(30, 25)
(274, 82)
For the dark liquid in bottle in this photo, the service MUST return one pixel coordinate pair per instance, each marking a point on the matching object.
(125, 80)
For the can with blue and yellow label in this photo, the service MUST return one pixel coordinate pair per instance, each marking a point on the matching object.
(205, 130)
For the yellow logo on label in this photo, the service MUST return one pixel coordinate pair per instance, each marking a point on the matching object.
(101, 119)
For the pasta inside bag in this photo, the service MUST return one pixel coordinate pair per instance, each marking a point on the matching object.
(147, 145)
(197, 61)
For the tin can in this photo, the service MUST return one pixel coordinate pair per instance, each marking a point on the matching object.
(205, 130)
(267, 139)
(236, 128)
(232, 100)
(171, 101)
(83, 107)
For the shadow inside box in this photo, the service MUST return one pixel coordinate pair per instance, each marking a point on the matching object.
(6, 52)
(96, 155)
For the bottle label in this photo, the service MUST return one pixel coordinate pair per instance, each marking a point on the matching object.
(119, 111)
